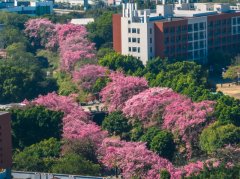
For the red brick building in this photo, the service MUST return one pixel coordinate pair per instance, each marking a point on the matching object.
(5, 141)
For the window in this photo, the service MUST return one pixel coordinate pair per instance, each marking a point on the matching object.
(201, 26)
(134, 49)
(138, 31)
(172, 30)
(201, 44)
(190, 37)
(190, 28)
(150, 40)
(195, 36)
(138, 49)
(134, 40)
(234, 21)
(238, 20)
(166, 30)
(196, 27)
(134, 30)
(190, 46)
(150, 49)
(129, 30)
(129, 49)
(129, 22)
(150, 30)
(166, 40)
(201, 35)
(129, 39)
(138, 40)
(196, 45)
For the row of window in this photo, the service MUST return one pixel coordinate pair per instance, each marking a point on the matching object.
(217, 23)
(134, 30)
(134, 40)
(197, 45)
(196, 26)
(134, 49)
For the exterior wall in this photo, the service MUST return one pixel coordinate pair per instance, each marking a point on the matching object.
(197, 39)
(221, 35)
(5, 141)
(145, 35)
(117, 37)
(171, 39)
(137, 39)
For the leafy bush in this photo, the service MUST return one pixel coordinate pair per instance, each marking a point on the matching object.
(116, 124)
(115, 61)
(163, 144)
(216, 135)
(149, 135)
(32, 125)
(76, 165)
(218, 173)
(38, 157)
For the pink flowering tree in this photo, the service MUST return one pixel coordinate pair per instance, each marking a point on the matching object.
(134, 159)
(149, 105)
(120, 89)
(42, 32)
(88, 75)
(187, 119)
(76, 122)
(74, 45)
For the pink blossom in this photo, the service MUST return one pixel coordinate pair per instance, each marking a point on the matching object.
(42, 31)
(134, 159)
(88, 75)
(149, 105)
(187, 119)
(120, 89)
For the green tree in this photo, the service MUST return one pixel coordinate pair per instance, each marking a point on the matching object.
(75, 164)
(37, 157)
(216, 135)
(31, 125)
(149, 135)
(116, 61)
(100, 31)
(13, 19)
(10, 35)
(227, 110)
(232, 72)
(65, 84)
(116, 124)
(220, 172)
(21, 76)
(163, 144)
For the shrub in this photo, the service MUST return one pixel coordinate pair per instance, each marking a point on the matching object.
(163, 144)
(216, 135)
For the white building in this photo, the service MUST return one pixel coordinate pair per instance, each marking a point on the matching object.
(185, 31)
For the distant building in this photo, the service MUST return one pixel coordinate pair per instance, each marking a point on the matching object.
(114, 2)
(28, 7)
(83, 3)
(82, 21)
(188, 31)
(5, 142)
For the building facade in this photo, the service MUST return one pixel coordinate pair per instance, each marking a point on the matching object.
(5, 141)
(184, 31)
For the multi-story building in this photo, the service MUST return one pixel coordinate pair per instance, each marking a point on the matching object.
(5, 144)
(187, 31)
(30, 7)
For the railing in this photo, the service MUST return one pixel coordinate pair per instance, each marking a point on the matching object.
(37, 175)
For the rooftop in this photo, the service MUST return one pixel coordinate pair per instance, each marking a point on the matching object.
(166, 12)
